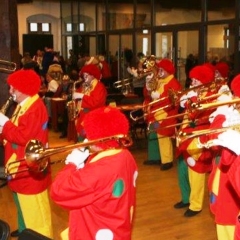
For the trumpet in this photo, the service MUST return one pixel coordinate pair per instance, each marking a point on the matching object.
(37, 157)
(7, 66)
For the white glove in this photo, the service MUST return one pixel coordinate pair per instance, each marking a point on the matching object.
(183, 100)
(77, 157)
(232, 117)
(229, 139)
(191, 94)
(224, 97)
(149, 77)
(187, 96)
(77, 95)
(3, 119)
(155, 95)
(224, 89)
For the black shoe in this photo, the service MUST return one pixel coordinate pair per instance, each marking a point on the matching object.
(152, 162)
(3, 182)
(166, 166)
(63, 136)
(15, 233)
(181, 205)
(191, 213)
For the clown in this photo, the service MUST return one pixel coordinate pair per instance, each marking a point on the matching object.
(164, 82)
(224, 179)
(194, 162)
(29, 121)
(91, 95)
(99, 190)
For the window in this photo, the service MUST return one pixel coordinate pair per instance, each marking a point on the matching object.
(39, 27)
(81, 27)
(69, 27)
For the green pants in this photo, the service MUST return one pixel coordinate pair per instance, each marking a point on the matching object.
(153, 147)
(183, 179)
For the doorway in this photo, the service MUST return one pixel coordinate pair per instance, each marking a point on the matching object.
(177, 46)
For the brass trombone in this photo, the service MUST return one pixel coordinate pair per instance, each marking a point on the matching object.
(37, 157)
(7, 66)
(183, 136)
(128, 81)
(174, 97)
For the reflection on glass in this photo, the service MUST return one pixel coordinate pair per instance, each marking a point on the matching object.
(175, 12)
(143, 14)
(225, 10)
(164, 47)
(120, 16)
(187, 55)
(220, 43)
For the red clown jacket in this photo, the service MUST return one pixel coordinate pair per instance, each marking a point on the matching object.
(100, 196)
(29, 123)
(93, 98)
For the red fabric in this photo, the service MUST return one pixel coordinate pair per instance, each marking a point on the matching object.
(224, 204)
(204, 162)
(88, 194)
(26, 81)
(106, 72)
(96, 99)
(17, 138)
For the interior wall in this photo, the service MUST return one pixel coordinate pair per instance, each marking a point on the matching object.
(43, 8)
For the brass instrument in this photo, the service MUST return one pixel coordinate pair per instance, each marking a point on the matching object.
(37, 157)
(174, 97)
(72, 105)
(128, 81)
(7, 67)
(6, 106)
(183, 136)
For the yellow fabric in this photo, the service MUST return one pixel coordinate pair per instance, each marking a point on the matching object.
(160, 115)
(225, 232)
(64, 234)
(162, 82)
(105, 154)
(215, 184)
(12, 165)
(24, 108)
(93, 85)
(165, 143)
(193, 149)
(37, 214)
(197, 185)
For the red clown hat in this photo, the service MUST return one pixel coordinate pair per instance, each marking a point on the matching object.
(223, 69)
(202, 73)
(235, 86)
(167, 65)
(26, 81)
(91, 69)
(105, 122)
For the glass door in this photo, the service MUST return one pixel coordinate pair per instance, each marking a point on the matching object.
(181, 47)
(187, 55)
(120, 48)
